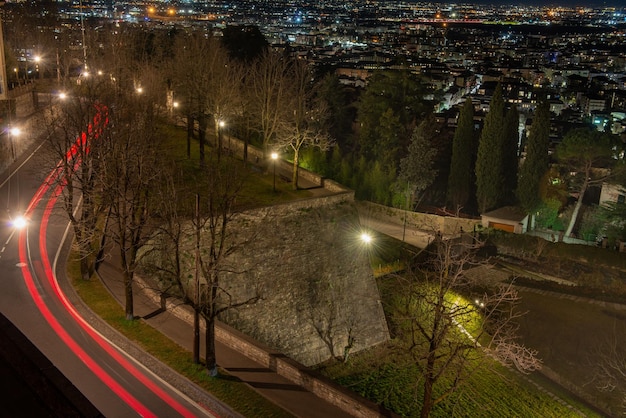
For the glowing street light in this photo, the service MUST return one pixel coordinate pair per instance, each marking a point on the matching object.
(37, 59)
(366, 238)
(13, 132)
(220, 126)
(274, 158)
(19, 222)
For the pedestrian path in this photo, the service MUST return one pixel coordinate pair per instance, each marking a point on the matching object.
(284, 393)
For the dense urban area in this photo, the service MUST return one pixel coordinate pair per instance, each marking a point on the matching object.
(491, 132)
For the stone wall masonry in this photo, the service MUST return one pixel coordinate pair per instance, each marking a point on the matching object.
(447, 225)
(274, 360)
(306, 261)
(318, 290)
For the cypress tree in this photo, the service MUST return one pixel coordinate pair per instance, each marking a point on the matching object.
(510, 162)
(463, 154)
(489, 184)
(536, 162)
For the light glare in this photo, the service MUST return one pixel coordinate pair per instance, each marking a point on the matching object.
(19, 222)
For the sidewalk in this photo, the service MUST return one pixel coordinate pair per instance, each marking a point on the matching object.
(293, 398)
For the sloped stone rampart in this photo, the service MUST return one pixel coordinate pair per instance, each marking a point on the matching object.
(305, 259)
(274, 360)
(319, 296)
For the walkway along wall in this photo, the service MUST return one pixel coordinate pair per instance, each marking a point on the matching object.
(276, 361)
(446, 225)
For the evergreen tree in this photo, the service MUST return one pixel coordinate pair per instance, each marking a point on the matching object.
(510, 162)
(583, 151)
(463, 154)
(536, 162)
(402, 92)
(489, 184)
(388, 143)
(416, 169)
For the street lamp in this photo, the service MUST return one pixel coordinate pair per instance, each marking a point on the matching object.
(274, 158)
(19, 222)
(37, 61)
(220, 125)
(13, 132)
(366, 238)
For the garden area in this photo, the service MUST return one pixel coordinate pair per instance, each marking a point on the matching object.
(392, 377)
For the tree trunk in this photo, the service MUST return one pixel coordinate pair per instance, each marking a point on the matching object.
(579, 203)
(211, 361)
(190, 123)
(196, 337)
(101, 249)
(196, 302)
(429, 379)
(128, 293)
(202, 125)
(294, 175)
(427, 404)
(219, 142)
(83, 251)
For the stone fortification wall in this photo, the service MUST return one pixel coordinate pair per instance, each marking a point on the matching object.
(353, 404)
(318, 294)
(447, 225)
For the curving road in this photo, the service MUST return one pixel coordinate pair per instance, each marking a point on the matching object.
(116, 384)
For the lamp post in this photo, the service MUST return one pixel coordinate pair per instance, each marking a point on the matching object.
(12, 133)
(274, 158)
(220, 125)
(37, 61)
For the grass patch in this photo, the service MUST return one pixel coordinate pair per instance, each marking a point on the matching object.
(258, 187)
(389, 376)
(226, 388)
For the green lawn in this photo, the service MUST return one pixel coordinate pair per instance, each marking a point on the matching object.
(232, 392)
(388, 376)
(259, 182)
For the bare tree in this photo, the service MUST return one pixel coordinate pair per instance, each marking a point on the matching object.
(446, 325)
(77, 124)
(198, 275)
(608, 361)
(305, 125)
(210, 83)
(268, 87)
(129, 175)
